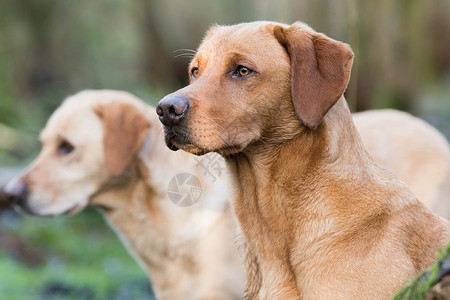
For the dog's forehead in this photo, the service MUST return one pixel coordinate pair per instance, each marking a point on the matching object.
(77, 117)
(73, 120)
(246, 38)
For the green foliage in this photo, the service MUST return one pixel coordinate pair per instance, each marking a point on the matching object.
(80, 252)
(418, 287)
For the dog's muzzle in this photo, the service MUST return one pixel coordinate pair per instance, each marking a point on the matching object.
(16, 193)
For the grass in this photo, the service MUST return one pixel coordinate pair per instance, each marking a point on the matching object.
(82, 259)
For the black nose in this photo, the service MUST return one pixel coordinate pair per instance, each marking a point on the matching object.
(16, 192)
(172, 109)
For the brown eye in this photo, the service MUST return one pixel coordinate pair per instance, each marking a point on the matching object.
(242, 71)
(65, 148)
(194, 73)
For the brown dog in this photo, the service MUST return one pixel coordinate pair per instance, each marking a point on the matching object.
(319, 219)
(105, 148)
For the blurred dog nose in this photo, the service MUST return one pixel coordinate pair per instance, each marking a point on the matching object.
(172, 109)
(16, 192)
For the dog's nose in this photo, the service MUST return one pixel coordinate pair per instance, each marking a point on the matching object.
(16, 192)
(172, 109)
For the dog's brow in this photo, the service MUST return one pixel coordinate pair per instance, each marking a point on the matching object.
(235, 58)
(62, 137)
(198, 59)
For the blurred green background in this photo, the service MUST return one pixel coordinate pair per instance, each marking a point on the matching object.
(50, 49)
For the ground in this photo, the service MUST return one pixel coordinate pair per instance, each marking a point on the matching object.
(65, 257)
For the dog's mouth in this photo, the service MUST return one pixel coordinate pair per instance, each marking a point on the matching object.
(177, 138)
(23, 209)
(191, 148)
(174, 136)
(26, 209)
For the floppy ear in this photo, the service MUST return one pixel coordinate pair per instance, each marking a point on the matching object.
(124, 131)
(320, 70)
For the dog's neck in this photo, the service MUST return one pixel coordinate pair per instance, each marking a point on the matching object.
(264, 176)
(306, 150)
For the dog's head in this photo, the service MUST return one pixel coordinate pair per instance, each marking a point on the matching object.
(252, 81)
(89, 140)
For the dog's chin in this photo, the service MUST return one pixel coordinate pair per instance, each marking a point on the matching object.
(74, 210)
(175, 138)
(24, 209)
(191, 148)
(194, 148)
(29, 211)
(171, 145)
(222, 150)
(178, 139)
(68, 212)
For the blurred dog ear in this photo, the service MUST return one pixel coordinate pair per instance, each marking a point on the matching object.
(124, 131)
(320, 70)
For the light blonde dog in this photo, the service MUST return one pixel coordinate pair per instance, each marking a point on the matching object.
(319, 218)
(105, 148)
(413, 149)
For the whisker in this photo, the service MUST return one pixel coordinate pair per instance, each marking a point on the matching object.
(187, 50)
(185, 55)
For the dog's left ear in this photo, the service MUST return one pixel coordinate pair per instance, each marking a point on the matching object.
(124, 131)
(320, 70)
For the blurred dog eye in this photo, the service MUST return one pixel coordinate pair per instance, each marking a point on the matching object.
(194, 73)
(65, 148)
(242, 71)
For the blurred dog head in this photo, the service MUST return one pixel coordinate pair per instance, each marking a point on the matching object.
(88, 142)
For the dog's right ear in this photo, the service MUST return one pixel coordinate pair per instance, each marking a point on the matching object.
(320, 70)
(124, 131)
